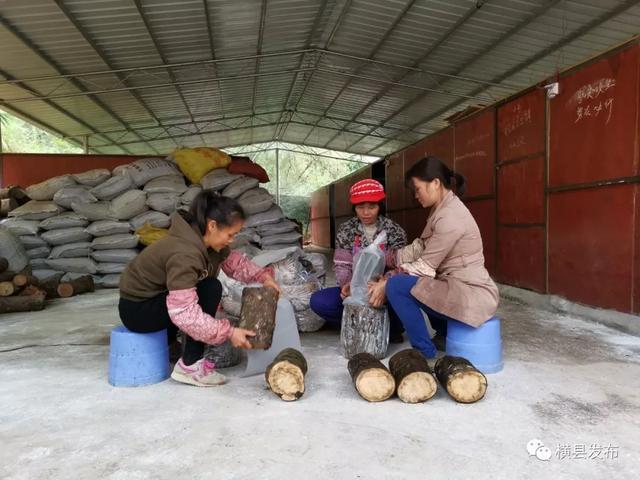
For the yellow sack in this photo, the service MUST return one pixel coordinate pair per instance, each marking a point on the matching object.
(149, 234)
(195, 163)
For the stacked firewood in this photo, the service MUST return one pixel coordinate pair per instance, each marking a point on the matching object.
(22, 292)
(10, 199)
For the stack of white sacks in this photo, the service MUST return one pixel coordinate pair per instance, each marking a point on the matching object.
(266, 227)
(85, 223)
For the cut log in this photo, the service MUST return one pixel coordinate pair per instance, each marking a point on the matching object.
(76, 286)
(23, 279)
(461, 379)
(413, 376)
(7, 205)
(372, 379)
(258, 313)
(364, 329)
(7, 289)
(285, 375)
(31, 290)
(4, 264)
(31, 303)
(50, 285)
(8, 276)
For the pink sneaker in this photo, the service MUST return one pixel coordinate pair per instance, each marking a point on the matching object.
(201, 374)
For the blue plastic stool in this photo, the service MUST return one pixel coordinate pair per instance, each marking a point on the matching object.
(138, 359)
(482, 346)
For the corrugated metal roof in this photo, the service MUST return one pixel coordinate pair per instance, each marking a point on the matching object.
(363, 76)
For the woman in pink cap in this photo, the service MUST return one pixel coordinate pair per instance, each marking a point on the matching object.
(367, 197)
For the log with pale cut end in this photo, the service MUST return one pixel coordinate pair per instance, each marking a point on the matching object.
(4, 264)
(7, 289)
(24, 279)
(30, 303)
(258, 313)
(372, 379)
(464, 382)
(413, 376)
(76, 286)
(285, 375)
(50, 285)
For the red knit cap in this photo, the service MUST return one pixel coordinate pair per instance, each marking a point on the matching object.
(366, 191)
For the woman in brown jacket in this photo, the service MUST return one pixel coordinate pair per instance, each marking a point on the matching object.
(172, 284)
(442, 273)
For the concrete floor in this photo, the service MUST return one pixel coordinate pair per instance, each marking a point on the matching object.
(566, 381)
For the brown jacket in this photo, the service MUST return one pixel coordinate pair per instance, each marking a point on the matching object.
(176, 262)
(448, 258)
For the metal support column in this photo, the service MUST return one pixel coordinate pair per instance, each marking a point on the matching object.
(278, 176)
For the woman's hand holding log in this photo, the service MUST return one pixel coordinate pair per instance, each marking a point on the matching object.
(239, 338)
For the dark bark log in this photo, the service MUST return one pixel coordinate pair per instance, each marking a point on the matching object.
(50, 285)
(258, 313)
(413, 376)
(76, 286)
(22, 304)
(4, 264)
(23, 279)
(7, 289)
(372, 379)
(19, 195)
(461, 379)
(285, 375)
(364, 329)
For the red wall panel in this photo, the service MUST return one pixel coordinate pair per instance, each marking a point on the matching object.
(321, 232)
(25, 169)
(521, 126)
(521, 192)
(341, 198)
(474, 141)
(414, 152)
(320, 203)
(484, 212)
(440, 145)
(394, 182)
(521, 257)
(415, 220)
(593, 122)
(591, 245)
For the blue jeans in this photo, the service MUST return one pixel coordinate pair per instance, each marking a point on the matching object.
(409, 309)
(327, 304)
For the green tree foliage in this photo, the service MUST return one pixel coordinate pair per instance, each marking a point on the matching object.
(19, 136)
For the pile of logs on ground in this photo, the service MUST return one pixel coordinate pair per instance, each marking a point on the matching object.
(22, 292)
(10, 199)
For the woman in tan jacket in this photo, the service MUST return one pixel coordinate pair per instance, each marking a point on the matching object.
(441, 273)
